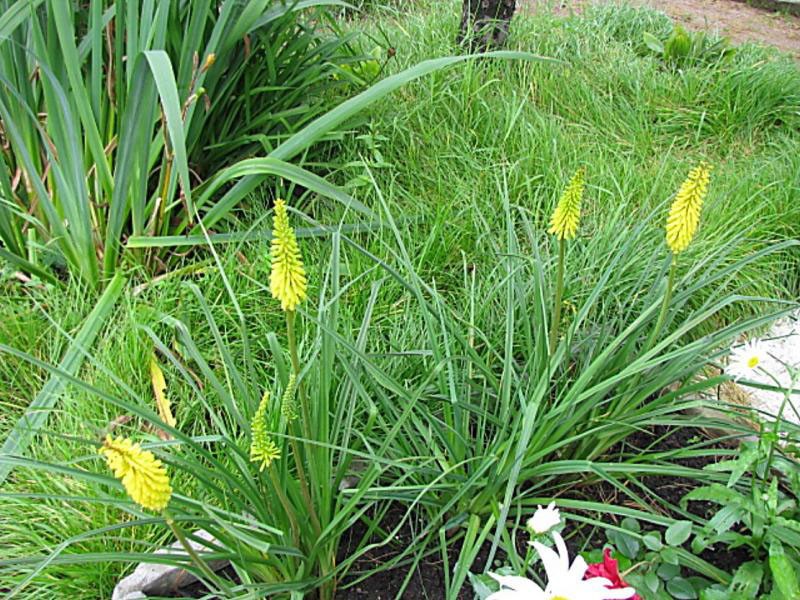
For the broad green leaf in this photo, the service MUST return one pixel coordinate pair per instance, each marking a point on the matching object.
(716, 594)
(678, 533)
(714, 493)
(669, 555)
(653, 541)
(668, 571)
(652, 581)
(625, 543)
(652, 42)
(631, 524)
(747, 579)
(783, 572)
(681, 589)
(739, 466)
(726, 517)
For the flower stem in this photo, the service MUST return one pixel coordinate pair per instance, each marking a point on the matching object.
(556, 321)
(196, 559)
(295, 358)
(287, 506)
(776, 430)
(306, 423)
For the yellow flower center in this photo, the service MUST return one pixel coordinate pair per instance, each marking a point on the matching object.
(752, 362)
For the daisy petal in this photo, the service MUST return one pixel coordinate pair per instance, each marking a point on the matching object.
(521, 585)
(552, 562)
(578, 568)
(563, 553)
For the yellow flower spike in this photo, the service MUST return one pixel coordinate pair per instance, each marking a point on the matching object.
(143, 476)
(262, 449)
(684, 215)
(566, 217)
(288, 404)
(287, 280)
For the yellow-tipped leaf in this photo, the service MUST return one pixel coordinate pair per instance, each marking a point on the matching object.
(160, 391)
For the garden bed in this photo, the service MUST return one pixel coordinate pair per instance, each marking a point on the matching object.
(477, 285)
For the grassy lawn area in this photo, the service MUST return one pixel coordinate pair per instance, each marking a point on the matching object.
(435, 397)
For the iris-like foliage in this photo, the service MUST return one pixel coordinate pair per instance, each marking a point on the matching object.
(142, 474)
(287, 279)
(684, 215)
(262, 449)
(566, 218)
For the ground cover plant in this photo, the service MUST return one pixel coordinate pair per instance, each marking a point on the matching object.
(488, 348)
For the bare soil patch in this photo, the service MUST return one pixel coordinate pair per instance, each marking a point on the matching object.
(739, 21)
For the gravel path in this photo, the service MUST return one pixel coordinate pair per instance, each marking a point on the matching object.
(737, 20)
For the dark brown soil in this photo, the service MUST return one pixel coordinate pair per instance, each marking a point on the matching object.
(427, 580)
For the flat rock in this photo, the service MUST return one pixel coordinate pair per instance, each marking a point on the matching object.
(154, 579)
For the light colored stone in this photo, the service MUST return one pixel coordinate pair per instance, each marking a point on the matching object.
(158, 579)
(782, 344)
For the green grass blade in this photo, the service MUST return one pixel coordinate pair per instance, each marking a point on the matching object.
(323, 125)
(175, 241)
(16, 14)
(278, 168)
(161, 69)
(35, 416)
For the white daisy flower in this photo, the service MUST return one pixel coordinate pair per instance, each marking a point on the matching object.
(746, 359)
(543, 520)
(564, 581)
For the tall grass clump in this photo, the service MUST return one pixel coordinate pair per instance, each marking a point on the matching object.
(117, 116)
(635, 125)
(449, 402)
(507, 415)
(460, 361)
(268, 475)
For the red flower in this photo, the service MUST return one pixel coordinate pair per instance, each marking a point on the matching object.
(610, 570)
